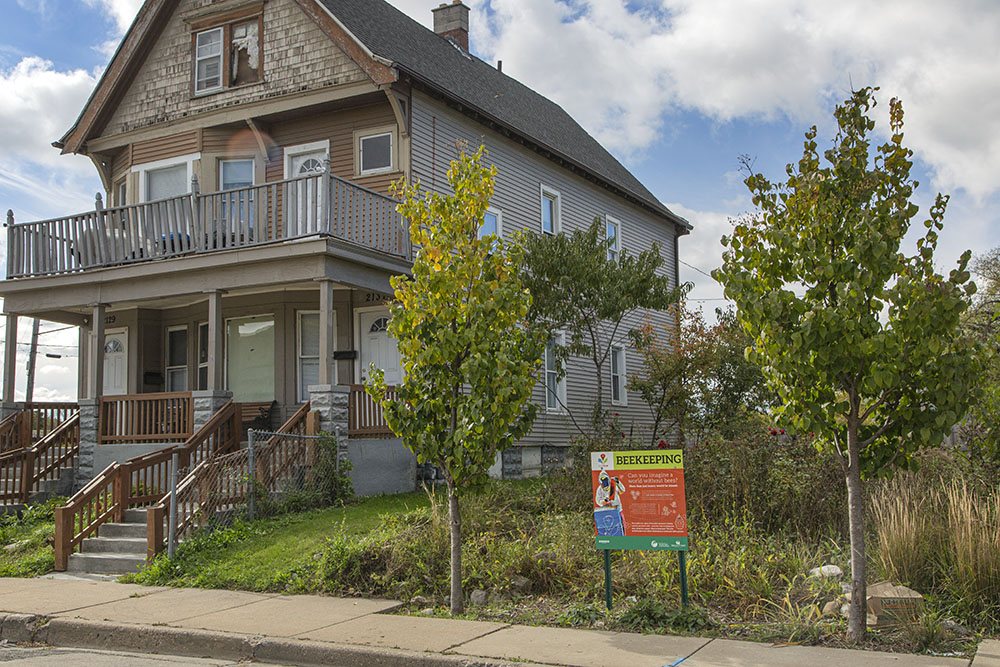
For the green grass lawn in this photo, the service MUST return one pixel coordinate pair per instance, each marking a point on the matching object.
(26, 541)
(270, 555)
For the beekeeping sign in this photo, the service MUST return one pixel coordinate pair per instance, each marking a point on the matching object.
(639, 500)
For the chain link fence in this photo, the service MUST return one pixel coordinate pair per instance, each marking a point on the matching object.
(277, 473)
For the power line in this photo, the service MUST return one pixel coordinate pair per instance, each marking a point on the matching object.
(691, 266)
(55, 330)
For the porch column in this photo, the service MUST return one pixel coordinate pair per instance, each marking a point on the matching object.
(327, 335)
(82, 364)
(10, 359)
(216, 340)
(95, 372)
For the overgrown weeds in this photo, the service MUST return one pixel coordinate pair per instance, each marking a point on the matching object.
(942, 538)
(26, 540)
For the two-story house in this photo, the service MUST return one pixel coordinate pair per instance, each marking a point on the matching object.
(246, 237)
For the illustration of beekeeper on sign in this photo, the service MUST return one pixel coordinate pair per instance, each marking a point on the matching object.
(608, 510)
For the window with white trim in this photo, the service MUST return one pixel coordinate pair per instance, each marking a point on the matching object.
(555, 386)
(237, 175)
(161, 179)
(551, 210)
(613, 230)
(176, 366)
(208, 61)
(375, 153)
(619, 394)
(492, 223)
(307, 351)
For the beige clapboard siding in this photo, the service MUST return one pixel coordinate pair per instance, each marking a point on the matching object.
(517, 195)
(230, 140)
(338, 127)
(237, 141)
(298, 57)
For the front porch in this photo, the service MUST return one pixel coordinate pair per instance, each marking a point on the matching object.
(142, 364)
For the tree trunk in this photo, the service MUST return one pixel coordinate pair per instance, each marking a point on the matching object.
(455, 521)
(856, 514)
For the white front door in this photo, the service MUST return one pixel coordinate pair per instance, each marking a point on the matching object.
(116, 363)
(306, 202)
(377, 347)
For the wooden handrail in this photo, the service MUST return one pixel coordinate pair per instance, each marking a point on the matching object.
(139, 481)
(93, 505)
(9, 433)
(204, 490)
(253, 215)
(55, 451)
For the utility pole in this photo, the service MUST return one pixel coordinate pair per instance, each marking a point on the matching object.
(32, 354)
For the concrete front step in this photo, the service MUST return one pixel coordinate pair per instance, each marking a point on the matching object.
(132, 546)
(105, 563)
(119, 548)
(134, 530)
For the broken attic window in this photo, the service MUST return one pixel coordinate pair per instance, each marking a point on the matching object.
(245, 53)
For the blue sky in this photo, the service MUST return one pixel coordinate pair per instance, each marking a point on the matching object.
(676, 89)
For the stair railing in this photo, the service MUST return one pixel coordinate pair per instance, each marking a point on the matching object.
(206, 490)
(138, 482)
(93, 505)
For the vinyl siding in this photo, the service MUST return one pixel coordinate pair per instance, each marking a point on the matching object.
(521, 171)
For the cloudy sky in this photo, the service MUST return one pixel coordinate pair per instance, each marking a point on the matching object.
(676, 89)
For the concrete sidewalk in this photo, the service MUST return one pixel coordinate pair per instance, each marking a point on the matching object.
(314, 630)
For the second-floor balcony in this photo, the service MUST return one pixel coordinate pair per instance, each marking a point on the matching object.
(316, 205)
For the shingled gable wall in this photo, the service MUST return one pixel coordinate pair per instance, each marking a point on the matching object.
(298, 57)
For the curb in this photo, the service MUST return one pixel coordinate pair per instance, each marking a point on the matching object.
(79, 633)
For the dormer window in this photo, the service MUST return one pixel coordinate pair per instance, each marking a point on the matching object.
(226, 56)
(208, 61)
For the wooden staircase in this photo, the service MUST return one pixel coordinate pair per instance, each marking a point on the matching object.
(118, 548)
(38, 451)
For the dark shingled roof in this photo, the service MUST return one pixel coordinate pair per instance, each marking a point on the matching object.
(437, 62)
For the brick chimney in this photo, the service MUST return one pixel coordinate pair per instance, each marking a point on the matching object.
(453, 21)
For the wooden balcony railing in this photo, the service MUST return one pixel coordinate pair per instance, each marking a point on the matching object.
(139, 482)
(197, 223)
(365, 418)
(149, 418)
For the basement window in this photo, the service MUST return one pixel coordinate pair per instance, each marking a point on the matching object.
(227, 56)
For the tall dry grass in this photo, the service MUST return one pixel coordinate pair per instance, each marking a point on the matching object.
(941, 538)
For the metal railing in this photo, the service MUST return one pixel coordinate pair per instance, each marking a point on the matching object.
(197, 223)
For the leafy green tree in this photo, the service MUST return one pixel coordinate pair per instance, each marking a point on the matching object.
(579, 290)
(675, 378)
(738, 389)
(469, 362)
(860, 340)
(695, 377)
(981, 430)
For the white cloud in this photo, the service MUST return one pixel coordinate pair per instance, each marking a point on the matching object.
(38, 105)
(622, 73)
(120, 12)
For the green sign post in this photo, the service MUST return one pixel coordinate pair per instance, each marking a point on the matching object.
(639, 505)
